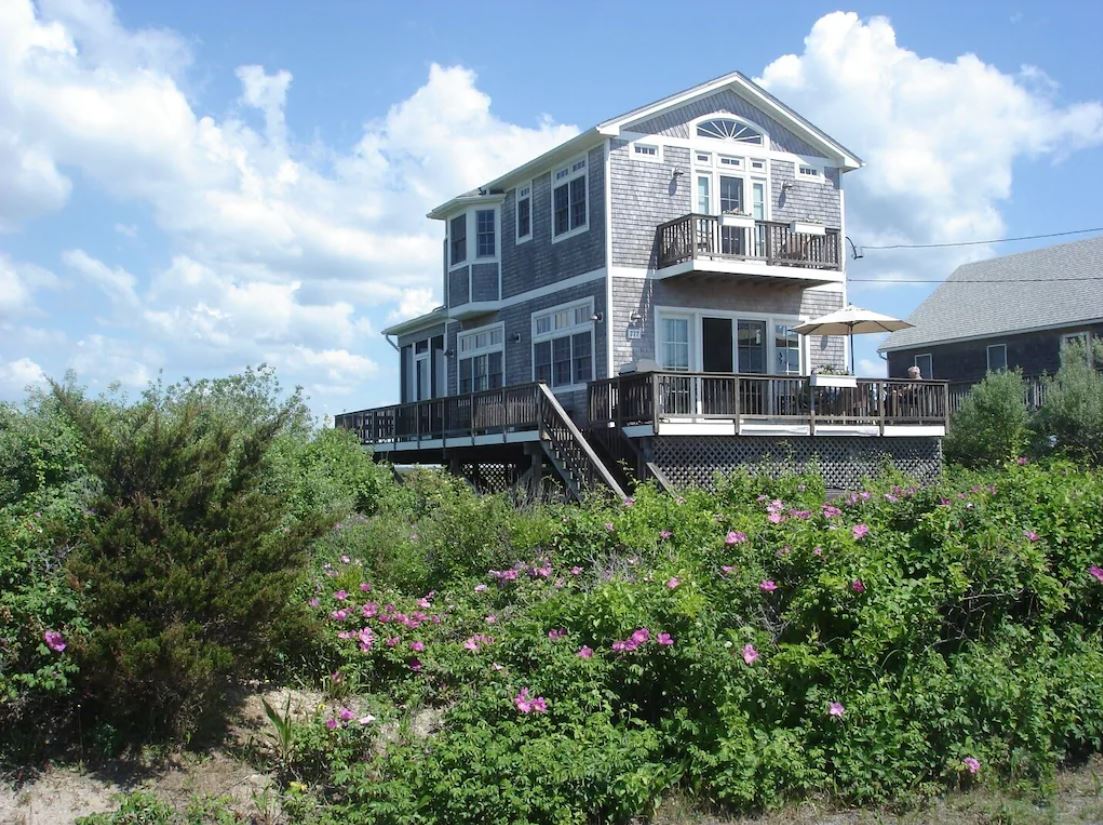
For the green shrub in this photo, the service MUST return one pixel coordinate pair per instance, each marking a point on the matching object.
(1071, 417)
(992, 425)
(190, 563)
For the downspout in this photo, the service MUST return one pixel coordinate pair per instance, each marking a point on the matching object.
(394, 346)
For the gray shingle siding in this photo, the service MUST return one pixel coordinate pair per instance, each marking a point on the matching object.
(539, 262)
(804, 200)
(645, 194)
(484, 282)
(642, 295)
(676, 123)
(458, 285)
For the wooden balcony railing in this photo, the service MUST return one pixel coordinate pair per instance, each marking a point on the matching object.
(655, 397)
(695, 236)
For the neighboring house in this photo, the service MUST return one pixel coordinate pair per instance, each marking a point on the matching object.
(1014, 312)
(678, 242)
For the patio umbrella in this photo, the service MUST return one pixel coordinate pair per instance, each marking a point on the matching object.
(849, 320)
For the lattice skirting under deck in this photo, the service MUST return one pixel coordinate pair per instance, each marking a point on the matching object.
(844, 461)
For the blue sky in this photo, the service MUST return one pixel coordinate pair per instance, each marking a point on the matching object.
(194, 187)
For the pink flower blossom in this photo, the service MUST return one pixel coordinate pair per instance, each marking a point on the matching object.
(543, 571)
(735, 537)
(859, 531)
(365, 587)
(664, 639)
(491, 619)
(830, 511)
(471, 644)
(640, 636)
(345, 714)
(331, 723)
(817, 551)
(576, 571)
(750, 653)
(1097, 572)
(369, 609)
(315, 602)
(417, 647)
(367, 719)
(339, 615)
(972, 764)
(480, 588)
(775, 518)
(673, 582)
(609, 527)
(529, 704)
(836, 710)
(803, 515)
(415, 665)
(340, 595)
(585, 652)
(54, 640)
(665, 534)
(393, 641)
(767, 585)
(629, 502)
(726, 569)
(857, 586)
(1031, 535)
(557, 634)
(424, 603)
(1021, 460)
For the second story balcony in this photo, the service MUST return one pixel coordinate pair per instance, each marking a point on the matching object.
(741, 245)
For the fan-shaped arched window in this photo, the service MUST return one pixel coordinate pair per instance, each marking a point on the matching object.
(723, 128)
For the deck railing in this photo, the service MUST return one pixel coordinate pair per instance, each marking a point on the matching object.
(697, 236)
(655, 397)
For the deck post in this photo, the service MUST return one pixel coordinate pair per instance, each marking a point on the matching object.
(811, 408)
(738, 422)
(882, 388)
(655, 401)
(945, 407)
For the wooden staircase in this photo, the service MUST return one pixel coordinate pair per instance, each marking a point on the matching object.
(569, 452)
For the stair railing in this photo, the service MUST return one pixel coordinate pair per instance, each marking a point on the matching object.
(578, 457)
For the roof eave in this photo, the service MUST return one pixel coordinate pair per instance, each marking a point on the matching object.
(463, 201)
(436, 316)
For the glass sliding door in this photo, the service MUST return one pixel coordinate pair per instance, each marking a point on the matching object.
(717, 356)
(751, 351)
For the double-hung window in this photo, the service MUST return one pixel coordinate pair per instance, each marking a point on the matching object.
(524, 213)
(569, 213)
(457, 238)
(563, 345)
(485, 235)
(480, 359)
(675, 343)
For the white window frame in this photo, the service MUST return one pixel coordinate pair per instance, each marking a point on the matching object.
(523, 193)
(716, 142)
(713, 169)
(696, 335)
(816, 174)
(579, 309)
(930, 364)
(466, 241)
(473, 234)
(474, 351)
(988, 356)
(661, 339)
(562, 175)
(634, 151)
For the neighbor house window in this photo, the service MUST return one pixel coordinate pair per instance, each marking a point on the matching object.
(563, 345)
(569, 212)
(997, 357)
(524, 213)
(457, 235)
(480, 359)
(925, 364)
(485, 238)
(1080, 339)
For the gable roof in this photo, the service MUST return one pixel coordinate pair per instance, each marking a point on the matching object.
(1015, 293)
(737, 81)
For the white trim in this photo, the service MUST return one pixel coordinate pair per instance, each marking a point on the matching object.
(696, 334)
(517, 198)
(749, 150)
(563, 175)
(471, 309)
(763, 133)
(637, 150)
(735, 266)
(608, 327)
(456, 441)
(727, 427)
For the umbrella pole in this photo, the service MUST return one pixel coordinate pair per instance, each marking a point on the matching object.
(853, 370)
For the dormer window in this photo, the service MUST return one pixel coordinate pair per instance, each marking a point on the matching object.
(723, 128)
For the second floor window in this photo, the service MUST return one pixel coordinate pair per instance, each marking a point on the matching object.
(569, 198)
(458, 240)
(486, 246)
(524, 213)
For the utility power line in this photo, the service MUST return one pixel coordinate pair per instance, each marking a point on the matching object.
(980, 243)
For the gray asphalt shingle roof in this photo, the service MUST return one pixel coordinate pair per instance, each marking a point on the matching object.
(973, 301)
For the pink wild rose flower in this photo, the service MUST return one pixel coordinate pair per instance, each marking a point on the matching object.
(972, 764)
(585, 652)
(664, 639)
(857, 586)
(767, 585)
(673, 582)
(1096, 572)
(750, 654)
(54, 640)
(836, 710)
(735, 537)
(860, 531)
